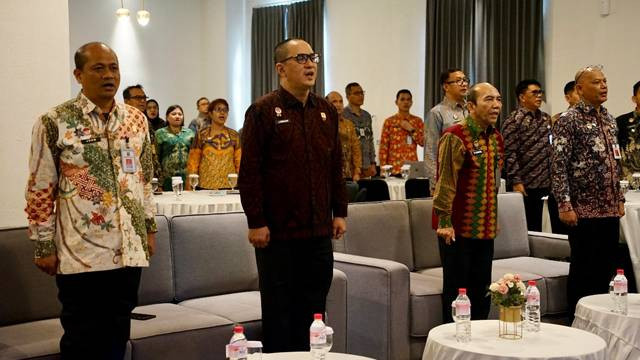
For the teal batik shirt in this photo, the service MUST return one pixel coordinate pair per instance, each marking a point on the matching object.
(173, 153)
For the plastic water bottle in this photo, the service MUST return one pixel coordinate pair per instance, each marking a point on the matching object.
(463, 316)
(238, 344)
(620, 292)
(532, 307)
(317, 338)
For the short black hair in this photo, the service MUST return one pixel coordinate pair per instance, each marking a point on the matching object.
(403, 91)
(170, 109)
(569, 87)
(351, 85)
(444, 76)
(126, 93)
(214, 103)
(202, 98)
(636, 88)
(280, 51)
(524, 85)
(80, 57)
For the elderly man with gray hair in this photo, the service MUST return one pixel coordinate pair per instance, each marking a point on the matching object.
(585, 183)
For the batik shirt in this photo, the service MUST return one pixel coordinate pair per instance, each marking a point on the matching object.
(351, 153)
(584, 171)
(629, 139)
(397, 145)
(80, 202)
(440, 117)
(173, 152)
(527, 142)
(214, 157)
(364, 131)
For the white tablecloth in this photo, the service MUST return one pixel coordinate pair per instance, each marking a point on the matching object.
(552, 342)
(199, 202)
(397, 192)
(307, 356)
(621, 333)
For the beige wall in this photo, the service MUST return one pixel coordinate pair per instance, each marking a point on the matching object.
(580, 36)
(34, 73)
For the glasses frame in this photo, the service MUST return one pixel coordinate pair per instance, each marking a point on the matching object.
(139, 97)
(459, 82)
(303, 58)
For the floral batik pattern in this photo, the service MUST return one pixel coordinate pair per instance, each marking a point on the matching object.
(173, 153)
(213, 157)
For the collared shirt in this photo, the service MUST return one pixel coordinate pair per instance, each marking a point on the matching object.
(397, 145)
(466, 194)
(584, 172)
(173, 153)
(440, 117)
(291, 170)
(199, 123)
(364, 131)
(629, 140)
(527, 143)
(80, 201)
(214, 157)
(351, 153)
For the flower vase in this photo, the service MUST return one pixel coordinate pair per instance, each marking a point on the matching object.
(510, 324)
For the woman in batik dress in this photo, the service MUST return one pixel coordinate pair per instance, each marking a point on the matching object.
(172, 144)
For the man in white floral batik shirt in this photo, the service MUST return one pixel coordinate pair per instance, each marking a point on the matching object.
(90, 207)
(585, 182)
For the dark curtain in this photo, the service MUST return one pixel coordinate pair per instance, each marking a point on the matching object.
(510, 46)
(449, 40)
(267, 30)
(306, 21)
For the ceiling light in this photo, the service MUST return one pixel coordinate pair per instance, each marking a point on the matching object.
(143, 16)
(122, 13)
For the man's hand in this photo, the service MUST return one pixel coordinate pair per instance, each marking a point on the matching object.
(47, 264)
(259, 237)
(621, 209)
(406, 125)
(356, 177)
(339, 227)
(569, 217)
(519, 188)
(370, 171)
(151, 243)
(448, 234)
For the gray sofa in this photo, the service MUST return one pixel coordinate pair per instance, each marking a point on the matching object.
(391, 321)
(202, 280)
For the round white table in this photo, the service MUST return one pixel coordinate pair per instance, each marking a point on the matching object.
(198, 202)
(621, 333)
(307, 356)
(552, 342)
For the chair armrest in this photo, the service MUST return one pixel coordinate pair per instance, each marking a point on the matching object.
(377, 306)
(549, 246)
(337, 310)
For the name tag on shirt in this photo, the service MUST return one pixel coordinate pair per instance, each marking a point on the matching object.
(361, 132)
(283, 121)
(90, 140)
(550, 139)
(477, 152)
(128, 157)
(409, 140)
(616, 152)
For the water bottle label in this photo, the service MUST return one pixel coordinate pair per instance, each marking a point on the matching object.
(533, 299)
(237, 351)
(619, 286)
(317, 338)
(463, 309)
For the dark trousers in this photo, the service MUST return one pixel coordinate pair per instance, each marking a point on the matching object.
(533, 205)
(295, 277)
(96, 312)
(466, 263)
(593, 258)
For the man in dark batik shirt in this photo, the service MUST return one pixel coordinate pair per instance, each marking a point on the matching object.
(629, 136)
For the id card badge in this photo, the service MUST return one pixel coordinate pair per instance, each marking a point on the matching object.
(361, 132)
(128, 157)
(616, 152)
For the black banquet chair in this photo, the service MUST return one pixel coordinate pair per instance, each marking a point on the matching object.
(417, 188)
(377, 189)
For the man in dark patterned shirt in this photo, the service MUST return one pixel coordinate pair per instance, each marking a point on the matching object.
(629, 136)
(527, 142)
(585, 182)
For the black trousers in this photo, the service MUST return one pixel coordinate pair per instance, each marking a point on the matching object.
(466, 263)
(295, 277)
(593, 257)
(96, 312)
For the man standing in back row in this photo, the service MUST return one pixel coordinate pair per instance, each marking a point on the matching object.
(362, 121)
(294, 197)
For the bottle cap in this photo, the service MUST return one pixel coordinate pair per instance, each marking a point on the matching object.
(238, 329)
(531, 283)
(620, 271)
(462, 291)
(317, 316)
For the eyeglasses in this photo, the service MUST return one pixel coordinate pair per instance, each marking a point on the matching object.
(536, 93)
(588, 69)
(139, 97)
(302, 58)
(459, 82)
(221, 110)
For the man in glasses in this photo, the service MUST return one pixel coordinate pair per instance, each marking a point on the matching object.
(293, 195)
(135, 96)
(448, 112)
(362, 121)
(528, 147)
(585, 182)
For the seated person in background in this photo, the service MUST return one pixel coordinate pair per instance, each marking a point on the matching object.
(629, 136)
(216, 150)
(153, 116)
(202, 120)
(172, 147)
(572, 97)
(401, 134)
(351, 155)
